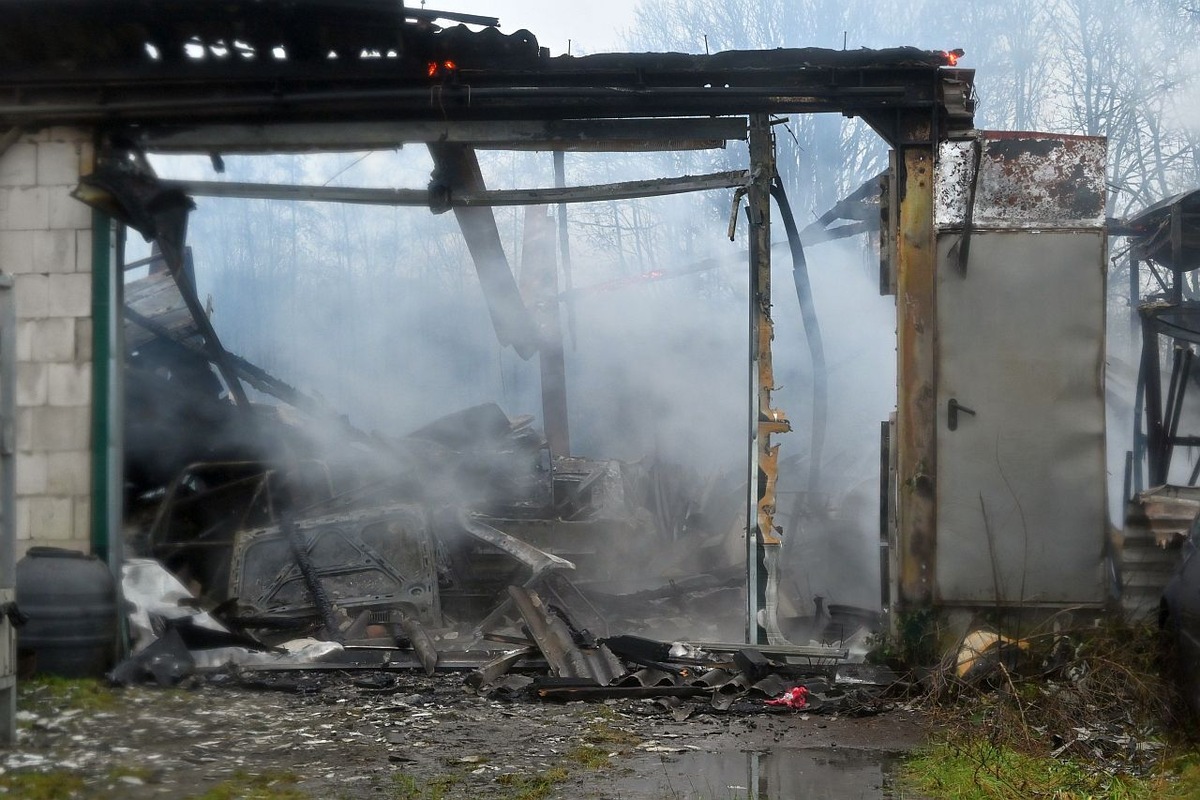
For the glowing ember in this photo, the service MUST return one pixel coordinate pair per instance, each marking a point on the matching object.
(952, 56)
(434, 68)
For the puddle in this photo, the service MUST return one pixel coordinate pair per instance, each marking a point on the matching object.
(777, 774)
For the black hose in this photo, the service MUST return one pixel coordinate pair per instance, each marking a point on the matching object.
(308, 572)
(812, 332)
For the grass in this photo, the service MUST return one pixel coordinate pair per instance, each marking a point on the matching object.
(48, 692)
(42, 785)
(588, 756)
(997, 737)
(246, 786)
(533, 787)
(975, 770)
(602, 733)
(409, 787)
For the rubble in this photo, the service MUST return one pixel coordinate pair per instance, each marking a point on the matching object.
(279, 548)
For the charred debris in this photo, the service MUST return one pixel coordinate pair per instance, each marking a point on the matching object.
(268, 540)
(273, 538)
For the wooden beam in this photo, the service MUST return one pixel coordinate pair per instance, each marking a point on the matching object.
(916, 358)
(603, 135)
(456, 171)
(465, 197)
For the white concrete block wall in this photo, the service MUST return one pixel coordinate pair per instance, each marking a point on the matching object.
(46, 246)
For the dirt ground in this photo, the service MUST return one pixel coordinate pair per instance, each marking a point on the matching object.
(408, 736)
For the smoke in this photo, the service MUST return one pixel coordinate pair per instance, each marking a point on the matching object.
(378, 312)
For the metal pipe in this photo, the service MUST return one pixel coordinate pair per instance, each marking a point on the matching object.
(462, 197)
(308, 572)
(812, 333)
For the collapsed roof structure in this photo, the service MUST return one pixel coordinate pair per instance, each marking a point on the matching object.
(314, 75)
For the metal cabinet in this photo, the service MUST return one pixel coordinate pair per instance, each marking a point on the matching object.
(1020, 296)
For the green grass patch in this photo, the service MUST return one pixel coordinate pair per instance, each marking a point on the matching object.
(45, 692)
(601, 733)
(409, 787)
(978, 770)
(245, 786)
(588, 756)
(42, 785)
(533, 787)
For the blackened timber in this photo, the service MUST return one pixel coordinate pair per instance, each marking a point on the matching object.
(456, 169)
(187, 290)
(650, 85)
(254, 375)
(460, 103)
(591, 135)
(459, 198)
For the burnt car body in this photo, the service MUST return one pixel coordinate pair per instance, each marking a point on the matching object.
(1179, 619)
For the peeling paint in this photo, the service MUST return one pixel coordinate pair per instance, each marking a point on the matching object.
(1026, 181)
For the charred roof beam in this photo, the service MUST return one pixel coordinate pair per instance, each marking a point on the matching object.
(575, 135)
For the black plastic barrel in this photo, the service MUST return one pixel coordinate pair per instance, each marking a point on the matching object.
(70, 600)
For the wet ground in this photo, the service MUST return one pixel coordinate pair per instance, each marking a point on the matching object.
(412, 737)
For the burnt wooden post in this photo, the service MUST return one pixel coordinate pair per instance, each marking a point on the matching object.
(916, 322)
(761, 535)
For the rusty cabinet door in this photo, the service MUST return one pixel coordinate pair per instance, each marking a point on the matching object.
(1021, 472)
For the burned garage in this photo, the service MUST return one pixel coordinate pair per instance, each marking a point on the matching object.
(388, 391)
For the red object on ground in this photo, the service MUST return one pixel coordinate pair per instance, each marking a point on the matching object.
(796, 697)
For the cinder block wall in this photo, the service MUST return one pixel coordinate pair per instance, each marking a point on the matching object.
(46, 246)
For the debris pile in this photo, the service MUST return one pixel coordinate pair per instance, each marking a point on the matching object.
(1091, 695)
(471, 552)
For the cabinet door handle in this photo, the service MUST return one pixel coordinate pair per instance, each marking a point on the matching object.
(952, 409)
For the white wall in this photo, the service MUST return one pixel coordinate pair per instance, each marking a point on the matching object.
(46, 246)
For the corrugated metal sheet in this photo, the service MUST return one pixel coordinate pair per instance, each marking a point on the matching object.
(566, 658)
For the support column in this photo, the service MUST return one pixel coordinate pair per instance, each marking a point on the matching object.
(762, 540)
(916, 352)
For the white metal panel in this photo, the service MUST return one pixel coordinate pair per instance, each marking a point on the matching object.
(1021, 484)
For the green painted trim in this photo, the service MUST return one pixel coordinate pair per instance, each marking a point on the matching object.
(102, 316)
